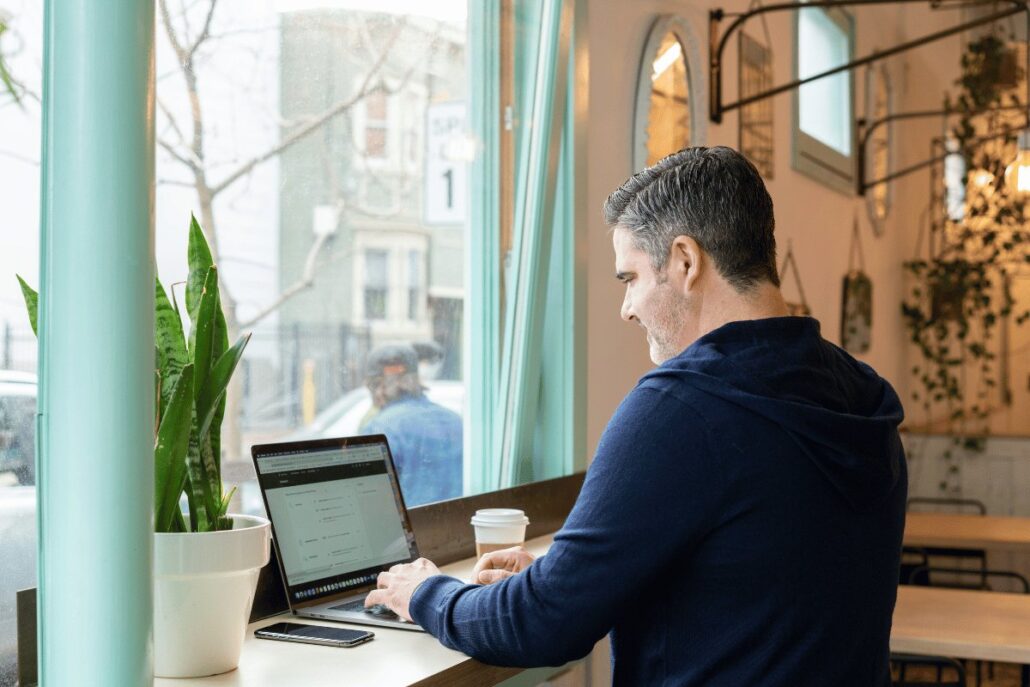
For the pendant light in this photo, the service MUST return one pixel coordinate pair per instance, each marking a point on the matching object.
(1017, 174)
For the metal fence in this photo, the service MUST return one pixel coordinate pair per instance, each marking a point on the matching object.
(17, 348)
(272, 371)
(279, 358)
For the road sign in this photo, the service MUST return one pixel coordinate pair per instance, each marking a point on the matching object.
(446, 180)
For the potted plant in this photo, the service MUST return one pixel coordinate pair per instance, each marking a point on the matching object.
(206, 561)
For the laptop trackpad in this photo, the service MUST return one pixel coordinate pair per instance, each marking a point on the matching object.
(378, 611)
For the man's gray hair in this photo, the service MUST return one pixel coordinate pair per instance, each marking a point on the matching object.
(713, 195)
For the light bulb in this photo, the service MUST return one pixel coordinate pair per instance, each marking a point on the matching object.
(1017, 174)
(981, 178)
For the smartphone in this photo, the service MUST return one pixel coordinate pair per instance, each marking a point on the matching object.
(314, 634)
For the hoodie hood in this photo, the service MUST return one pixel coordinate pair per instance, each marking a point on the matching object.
(841, 414)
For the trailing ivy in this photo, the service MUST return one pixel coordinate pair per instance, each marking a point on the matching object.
(962, 292)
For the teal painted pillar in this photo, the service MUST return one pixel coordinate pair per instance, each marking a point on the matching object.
(96, 362)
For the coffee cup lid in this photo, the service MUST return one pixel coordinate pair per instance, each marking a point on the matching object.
(499, 517)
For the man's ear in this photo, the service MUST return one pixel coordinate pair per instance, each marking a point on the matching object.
(686, 262)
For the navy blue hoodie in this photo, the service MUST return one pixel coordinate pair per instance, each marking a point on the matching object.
(740, 525)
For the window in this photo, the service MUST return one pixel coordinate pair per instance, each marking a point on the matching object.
(375, 125)
(296, 99)
(377, 284)
(301, 109)
(414, 285)
(20, 56)
(823, 109)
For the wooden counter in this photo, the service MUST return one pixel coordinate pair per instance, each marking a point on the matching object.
(394, 658)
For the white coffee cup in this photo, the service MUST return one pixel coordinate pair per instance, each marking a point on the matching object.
(499, 528)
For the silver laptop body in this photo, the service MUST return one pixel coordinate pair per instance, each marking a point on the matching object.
(338, 520)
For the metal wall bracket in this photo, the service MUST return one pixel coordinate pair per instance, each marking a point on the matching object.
(717, 45)
(865, 131)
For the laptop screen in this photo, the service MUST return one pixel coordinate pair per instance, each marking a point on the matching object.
(336, 511)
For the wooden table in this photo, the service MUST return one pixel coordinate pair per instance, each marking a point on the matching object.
(991, 626)
(967, 531)
(394, 658)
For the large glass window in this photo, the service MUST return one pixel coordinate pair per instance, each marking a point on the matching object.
(823, 109)
(327, 147)
(21, 31)
(306, 105)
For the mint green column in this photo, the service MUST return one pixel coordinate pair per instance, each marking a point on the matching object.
(483, 255)
(96, 363)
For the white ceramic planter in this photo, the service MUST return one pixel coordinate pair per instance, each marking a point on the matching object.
(203, 589)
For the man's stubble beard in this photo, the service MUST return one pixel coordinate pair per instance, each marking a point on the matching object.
(670, 314)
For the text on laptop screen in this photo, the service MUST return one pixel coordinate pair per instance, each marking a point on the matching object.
(337, 519)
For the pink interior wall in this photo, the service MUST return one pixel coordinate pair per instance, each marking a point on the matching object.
(814, 217)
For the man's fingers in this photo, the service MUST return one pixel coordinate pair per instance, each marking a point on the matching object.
(384, 580)
(374, 598)
(491, 576)
(505, 558)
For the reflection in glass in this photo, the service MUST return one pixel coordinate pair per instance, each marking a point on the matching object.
(668, 121)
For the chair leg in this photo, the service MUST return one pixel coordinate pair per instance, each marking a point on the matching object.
(1024, 676)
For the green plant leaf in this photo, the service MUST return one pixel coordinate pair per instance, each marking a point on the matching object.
(170, 344)
(199, 495)
(31, 303)
(170, 451)
(217, 382)
(202, 332)
(199, 256)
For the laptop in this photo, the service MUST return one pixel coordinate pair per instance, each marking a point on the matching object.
(338, 520)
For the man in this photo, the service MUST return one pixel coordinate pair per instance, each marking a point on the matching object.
(741, 521)
(425, 438)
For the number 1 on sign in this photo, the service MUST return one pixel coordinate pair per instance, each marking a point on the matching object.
(449, 176)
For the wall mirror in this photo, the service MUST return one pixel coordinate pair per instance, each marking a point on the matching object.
(879, 104)
(670, 112)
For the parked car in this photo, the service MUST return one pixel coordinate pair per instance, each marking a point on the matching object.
(17, 505)
(342, 418)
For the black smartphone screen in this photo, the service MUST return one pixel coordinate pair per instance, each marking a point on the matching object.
(317, 633)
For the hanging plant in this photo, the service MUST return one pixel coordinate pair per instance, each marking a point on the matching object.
(961, 292)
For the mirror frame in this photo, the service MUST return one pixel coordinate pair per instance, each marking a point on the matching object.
(696, 85)
(874, 76)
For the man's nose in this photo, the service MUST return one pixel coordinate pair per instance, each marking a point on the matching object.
(627, 310)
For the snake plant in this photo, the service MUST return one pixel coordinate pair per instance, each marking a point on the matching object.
(191, 377)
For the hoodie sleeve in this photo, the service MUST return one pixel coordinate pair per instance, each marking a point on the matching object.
(648, 498)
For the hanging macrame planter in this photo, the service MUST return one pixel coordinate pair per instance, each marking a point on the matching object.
(856, 319)
(795, 309)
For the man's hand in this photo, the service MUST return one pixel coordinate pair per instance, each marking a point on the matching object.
(497, 565)
(397, 586)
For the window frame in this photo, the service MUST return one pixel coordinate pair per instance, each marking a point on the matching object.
(526, 412)
(810, 156)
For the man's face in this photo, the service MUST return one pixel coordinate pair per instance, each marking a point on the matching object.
(652, 300)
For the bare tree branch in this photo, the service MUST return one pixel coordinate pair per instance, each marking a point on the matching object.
(170, 149)
(171, 120)
(307, 279)
(166, 19)
(175, 182)
(19, 157)
(205, 33)
(315, 123)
